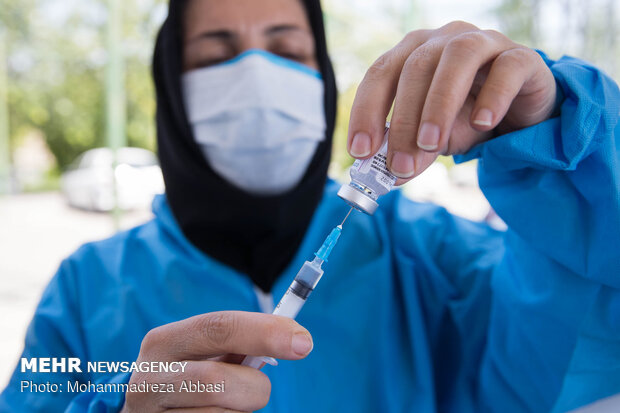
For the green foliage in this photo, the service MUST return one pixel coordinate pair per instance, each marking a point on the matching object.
(140, 106)
(587, 30)
(519, 20)
(50, 182)
(340, 157)
(57, 59)
(57, 72)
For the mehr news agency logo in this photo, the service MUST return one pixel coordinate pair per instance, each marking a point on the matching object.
(38, 365)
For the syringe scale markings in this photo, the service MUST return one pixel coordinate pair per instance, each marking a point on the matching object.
(302, 286)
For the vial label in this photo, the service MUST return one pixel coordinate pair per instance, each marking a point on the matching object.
(362, 165)
(379, 163)
(371, 177)
(386, 181)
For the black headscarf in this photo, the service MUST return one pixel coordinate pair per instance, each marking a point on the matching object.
(257, 235)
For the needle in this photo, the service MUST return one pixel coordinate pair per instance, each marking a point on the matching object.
(345, 218)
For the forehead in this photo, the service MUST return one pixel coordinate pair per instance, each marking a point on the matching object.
(242, 15)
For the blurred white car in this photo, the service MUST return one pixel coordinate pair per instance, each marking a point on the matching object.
(89, 182)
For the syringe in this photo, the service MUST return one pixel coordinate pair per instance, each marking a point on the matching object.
(304, 283)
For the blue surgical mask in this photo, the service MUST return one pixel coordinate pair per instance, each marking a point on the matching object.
(258, 119)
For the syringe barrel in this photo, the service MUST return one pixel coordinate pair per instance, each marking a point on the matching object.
(306, 279)
(293, 300)
(289, 306)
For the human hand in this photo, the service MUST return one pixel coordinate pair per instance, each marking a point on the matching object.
(452, 88)
(213, 345)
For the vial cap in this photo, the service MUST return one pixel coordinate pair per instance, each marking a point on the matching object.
(358, 199)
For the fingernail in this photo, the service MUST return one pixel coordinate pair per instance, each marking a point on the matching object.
(428, 138)
(302, 343)
(360, 145)
(402, 165)
(484, 117)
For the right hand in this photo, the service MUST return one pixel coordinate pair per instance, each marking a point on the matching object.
(214, 344)
(451, 89)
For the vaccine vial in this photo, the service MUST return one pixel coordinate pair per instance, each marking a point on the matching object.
(370, 178)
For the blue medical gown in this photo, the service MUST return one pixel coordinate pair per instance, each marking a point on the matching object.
(418, 310)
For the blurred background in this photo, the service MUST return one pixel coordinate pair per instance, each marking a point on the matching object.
(75, 89)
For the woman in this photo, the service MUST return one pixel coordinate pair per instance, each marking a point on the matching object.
(419, 310)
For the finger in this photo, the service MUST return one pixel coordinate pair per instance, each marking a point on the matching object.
(422, 161)
(211, 383)
(223, 332)
(509, 72)
(461, 60)
(374, 97)
(376, 92)
(413, 84)
(462, 138)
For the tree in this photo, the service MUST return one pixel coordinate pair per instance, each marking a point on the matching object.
(587, 30)
(56, 72)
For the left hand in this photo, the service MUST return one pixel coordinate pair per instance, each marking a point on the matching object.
(452, 88)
